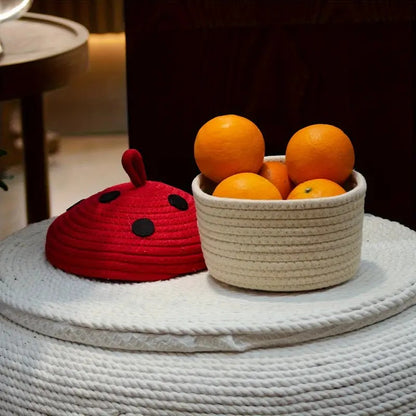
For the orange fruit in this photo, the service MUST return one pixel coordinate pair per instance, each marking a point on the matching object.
(276, 173)
(316, 188)
(319, 151)
(246, 185)
(228, 144)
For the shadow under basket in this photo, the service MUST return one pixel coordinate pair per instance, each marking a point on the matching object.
(281, 245)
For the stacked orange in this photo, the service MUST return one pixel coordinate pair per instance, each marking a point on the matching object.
(230, 150)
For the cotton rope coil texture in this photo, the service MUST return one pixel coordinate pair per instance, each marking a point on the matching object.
(282, 245)
(369, 372)
(195, 312)
(138, 231)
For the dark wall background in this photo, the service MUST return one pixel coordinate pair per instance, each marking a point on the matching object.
(284, 65)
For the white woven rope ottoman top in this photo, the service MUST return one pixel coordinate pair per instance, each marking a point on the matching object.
(195, 312)
(193, 346)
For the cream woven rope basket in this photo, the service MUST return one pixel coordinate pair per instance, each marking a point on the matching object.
(281, 245)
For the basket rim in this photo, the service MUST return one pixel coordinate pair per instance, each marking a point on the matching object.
(353, 194)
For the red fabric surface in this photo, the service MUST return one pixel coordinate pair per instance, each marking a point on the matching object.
(96, 239)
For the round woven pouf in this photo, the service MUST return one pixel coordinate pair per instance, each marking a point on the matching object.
(194, 346)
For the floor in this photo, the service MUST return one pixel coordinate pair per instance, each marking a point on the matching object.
(83, 166)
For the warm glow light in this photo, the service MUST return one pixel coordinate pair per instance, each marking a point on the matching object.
(107, 39)
(106, 50)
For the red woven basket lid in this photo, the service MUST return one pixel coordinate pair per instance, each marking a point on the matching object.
(137, 231)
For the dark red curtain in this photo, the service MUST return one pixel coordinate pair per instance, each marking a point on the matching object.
(98, 16)
(283, 64)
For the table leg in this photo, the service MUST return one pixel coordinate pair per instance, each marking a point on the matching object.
(35, 158)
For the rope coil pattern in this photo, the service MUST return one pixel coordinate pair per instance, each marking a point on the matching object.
(368, 372)
(103, 236)
(197, 313)
(281, 245)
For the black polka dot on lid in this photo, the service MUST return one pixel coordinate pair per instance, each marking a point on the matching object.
(178, 202)
(143, 227)
(109, 196)
(76, 203)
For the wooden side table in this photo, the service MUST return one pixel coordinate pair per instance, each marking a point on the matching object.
(41, 53)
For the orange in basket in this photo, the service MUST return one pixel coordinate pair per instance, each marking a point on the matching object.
(316, 188)
(276, 173)
(247, 185)
(319, 151)
(228, 144)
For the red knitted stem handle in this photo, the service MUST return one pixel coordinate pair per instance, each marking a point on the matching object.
(132, 162)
